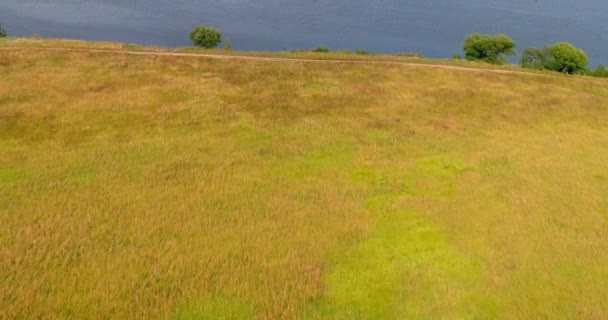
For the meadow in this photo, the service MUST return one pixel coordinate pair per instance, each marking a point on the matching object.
(145, 187)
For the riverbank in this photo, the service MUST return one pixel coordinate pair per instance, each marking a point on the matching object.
(301, 55)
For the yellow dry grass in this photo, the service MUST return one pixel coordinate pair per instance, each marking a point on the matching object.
(164, 187)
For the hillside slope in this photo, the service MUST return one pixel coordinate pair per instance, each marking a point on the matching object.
(179, 187)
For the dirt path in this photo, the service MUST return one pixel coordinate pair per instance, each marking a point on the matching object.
(272, 59)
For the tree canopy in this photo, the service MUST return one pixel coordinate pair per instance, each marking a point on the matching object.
(2, 32)
(206, 37)
(560, 57)
(489, 48)
(533, 58)
(566, 58)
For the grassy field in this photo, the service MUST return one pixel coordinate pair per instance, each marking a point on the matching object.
(292, 54)
(143, 187)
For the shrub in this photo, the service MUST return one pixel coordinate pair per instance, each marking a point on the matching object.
(533, 58)
(600, 71)
(321, 49)
(228, 45)
(2, 32)
(566, 58)
(205, 37)
(362, 52)
(489, 48)
(457, 57)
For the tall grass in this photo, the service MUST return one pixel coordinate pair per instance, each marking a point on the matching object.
(165, 187)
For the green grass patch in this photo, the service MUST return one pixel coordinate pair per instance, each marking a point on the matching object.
(404, 263)
(9, 175)
(219, 307)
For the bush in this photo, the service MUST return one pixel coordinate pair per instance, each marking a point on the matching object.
(321, 49)
(566, 58)
(205, 37)
(228, 45)
(600, 71)
(362, 52)
(2, 32)
(489, 48)
(533, 58)
(456, 57)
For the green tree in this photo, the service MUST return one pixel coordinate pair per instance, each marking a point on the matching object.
(206, 37)
(566, 58)
(533, 58)
(2, 32)
(489, 48)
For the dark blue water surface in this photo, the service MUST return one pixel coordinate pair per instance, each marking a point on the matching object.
(434, 28)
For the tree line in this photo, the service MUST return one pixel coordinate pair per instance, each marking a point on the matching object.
(561, 57)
